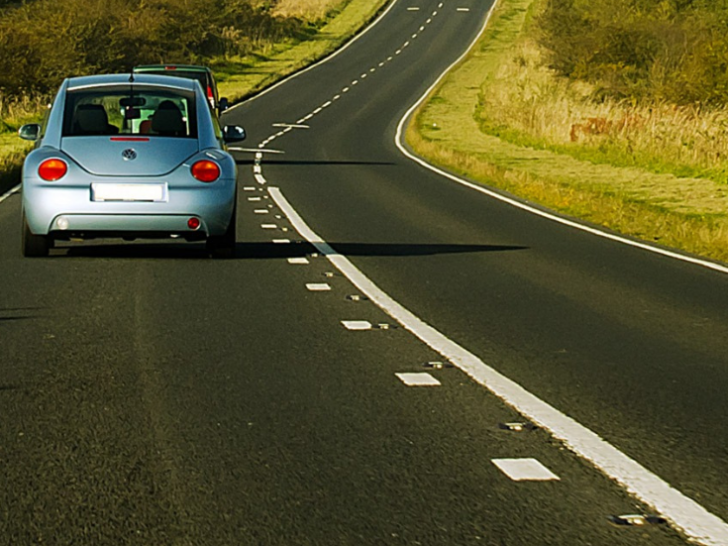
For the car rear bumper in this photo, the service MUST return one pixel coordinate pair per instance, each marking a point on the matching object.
(124, 225)
(62, 211)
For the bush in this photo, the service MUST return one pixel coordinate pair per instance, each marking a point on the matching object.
(670, 50)
(44, 41)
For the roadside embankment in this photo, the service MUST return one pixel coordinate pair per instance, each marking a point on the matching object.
(240, 77)
(244, 77)
(502, 118)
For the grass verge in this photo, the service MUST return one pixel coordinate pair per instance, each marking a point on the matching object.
(12, 153)
(243, 77)
(239, 78)
(454, 129)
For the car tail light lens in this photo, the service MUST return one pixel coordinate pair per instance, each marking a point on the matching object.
(206, 171)
(209, 93)
(52, 169)
(193, 223)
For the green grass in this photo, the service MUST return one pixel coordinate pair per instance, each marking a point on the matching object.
(243, 77)
(11, 160)
(238, 78)
(511, 144)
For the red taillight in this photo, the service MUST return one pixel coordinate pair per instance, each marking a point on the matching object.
(209, 93)
(52, 169)
(193, 223)
(206, 171)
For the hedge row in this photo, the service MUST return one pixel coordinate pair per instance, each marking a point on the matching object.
(659, 50)
(43, 41)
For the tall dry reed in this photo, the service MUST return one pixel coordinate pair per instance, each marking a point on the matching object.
(308, 10)
(527, 101)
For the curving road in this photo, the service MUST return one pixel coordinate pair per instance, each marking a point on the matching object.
(151, 396)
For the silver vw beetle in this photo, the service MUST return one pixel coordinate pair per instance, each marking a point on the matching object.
(132, 156)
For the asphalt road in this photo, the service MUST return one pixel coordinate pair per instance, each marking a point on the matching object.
(151, 396)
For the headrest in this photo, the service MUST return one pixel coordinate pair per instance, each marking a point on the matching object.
(91, 119)
(167, 120)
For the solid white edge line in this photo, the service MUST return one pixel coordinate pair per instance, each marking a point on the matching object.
(324, 60)
(684, 513)
(9, 193)
(399, 141)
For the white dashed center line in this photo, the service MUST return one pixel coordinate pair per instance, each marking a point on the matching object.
(684, 513)
(357, 325)
(687, 515)
(318, 287)
(418, 379)
(525, 470)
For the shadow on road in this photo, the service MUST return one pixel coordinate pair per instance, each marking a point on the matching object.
(15, 316)
(266, 251)
(312, 162)
(406, 249)
(8, 319)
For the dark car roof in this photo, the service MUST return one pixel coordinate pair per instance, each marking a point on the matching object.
(172, 68)
(119, 79)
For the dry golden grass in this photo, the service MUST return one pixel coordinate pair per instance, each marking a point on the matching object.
(270, 63)
(503, 119)
(14, 112)
(309, 10)
(248, 75)
(704, 236)
(526, 96)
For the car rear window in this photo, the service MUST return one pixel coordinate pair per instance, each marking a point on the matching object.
(177, 73)
(130, 110)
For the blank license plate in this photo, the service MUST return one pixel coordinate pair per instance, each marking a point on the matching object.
(129, 192)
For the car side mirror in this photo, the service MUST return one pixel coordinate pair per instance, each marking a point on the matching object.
(223, 104)
(233, 133)
(30, 131)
